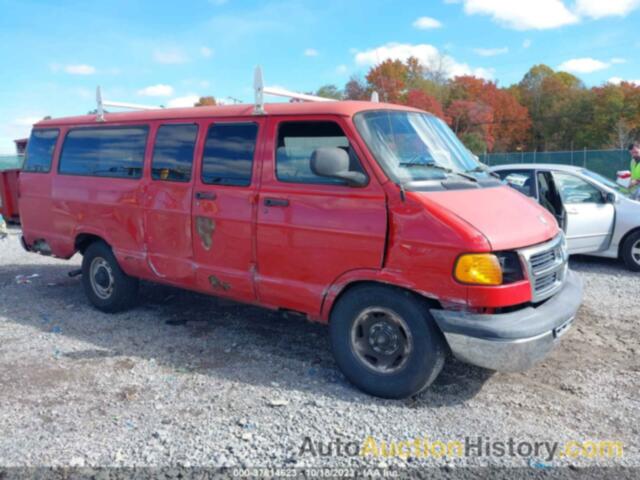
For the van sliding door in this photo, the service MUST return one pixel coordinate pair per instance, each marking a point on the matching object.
(223, 226)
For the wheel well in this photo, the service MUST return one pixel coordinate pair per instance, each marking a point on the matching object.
(624, 239)
(429, 302)
(84, 240)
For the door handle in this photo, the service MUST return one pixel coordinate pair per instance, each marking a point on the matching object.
(572, 211)
(205, 196)
(276, 202)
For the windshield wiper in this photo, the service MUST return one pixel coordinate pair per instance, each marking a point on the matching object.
(483, 169)
(441, 168)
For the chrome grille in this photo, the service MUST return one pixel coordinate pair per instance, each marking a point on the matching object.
(546, 267)
(543, 260)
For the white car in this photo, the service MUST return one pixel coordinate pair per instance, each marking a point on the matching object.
(597, 214)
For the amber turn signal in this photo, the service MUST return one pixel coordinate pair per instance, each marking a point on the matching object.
(479, 269)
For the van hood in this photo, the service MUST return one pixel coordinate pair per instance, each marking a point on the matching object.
(508, 219)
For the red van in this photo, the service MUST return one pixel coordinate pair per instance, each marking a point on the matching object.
(370, 217)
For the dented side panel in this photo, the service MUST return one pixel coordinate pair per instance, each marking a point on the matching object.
(223, 229)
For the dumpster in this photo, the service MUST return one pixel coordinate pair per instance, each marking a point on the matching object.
(9, 195)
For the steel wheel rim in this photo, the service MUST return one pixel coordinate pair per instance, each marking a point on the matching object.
(635, 252)
(381, 340)
(101, 276)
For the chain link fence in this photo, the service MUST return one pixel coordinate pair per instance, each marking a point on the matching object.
(8, 162)
(604, 162)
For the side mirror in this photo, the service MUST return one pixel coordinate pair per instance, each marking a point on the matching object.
(610, 197)
(333, 162)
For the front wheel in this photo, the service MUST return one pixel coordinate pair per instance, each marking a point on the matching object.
(385, 341)
(108, 288)
(631, 252)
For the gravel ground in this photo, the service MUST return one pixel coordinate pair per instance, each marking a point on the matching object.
(190, 380)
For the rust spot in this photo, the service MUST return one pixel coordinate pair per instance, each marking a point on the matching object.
(205, 227)
(218, 284)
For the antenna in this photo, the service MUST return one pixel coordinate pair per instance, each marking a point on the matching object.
(375, 98)
(258, 85)
(100, 109)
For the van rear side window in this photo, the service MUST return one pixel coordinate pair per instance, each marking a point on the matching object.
(40, 151)
(104, 152)
(173, 153)
(228, 154)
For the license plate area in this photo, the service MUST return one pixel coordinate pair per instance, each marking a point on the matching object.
(562, 329)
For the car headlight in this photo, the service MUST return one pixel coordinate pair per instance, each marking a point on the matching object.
(478, 269)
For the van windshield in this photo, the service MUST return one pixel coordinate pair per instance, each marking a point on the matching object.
(412, 146)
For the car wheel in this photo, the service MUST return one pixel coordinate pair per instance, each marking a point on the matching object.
(385, 341)
(108, 288)
(631, 252)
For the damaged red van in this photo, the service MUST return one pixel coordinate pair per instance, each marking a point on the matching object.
(370, 217)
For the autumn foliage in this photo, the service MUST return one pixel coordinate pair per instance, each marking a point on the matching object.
(547, 110)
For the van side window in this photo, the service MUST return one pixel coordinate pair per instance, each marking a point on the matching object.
(104, 152)
(173, 152)
(228, 154)
(296, 143)
(40, 151)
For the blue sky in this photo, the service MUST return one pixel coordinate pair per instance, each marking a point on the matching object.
(54, 53)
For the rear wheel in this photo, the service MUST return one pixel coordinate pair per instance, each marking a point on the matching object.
(631, 252)
(385, 341)
(108, 288)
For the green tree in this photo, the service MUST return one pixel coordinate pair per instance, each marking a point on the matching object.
(330, 91)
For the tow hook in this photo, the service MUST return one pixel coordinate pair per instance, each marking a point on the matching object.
(75, 273)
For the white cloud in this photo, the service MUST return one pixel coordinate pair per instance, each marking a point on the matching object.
(206, 52)
(170, 56)
(523, 14)
(583, 65)
(618, 81)
(27, 121)
(427, 54)
(186, 101)
(527, 43)
(159, 90)
(310, 52)
(342, 69)
(606, 8)
(546, 14)
(617, 61)
(427, 23)
(491, 52)
(80, 69)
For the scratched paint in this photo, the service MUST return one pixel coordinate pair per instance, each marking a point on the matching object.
(218, 284)
(205, 227)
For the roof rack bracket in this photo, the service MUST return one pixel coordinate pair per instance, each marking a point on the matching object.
(100, 108)
(104, 103)
(258, 86)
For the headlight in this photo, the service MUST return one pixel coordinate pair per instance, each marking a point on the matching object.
(478, 269)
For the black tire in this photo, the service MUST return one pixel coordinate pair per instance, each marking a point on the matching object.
(118, 292)
(629, 252)
(408, 374)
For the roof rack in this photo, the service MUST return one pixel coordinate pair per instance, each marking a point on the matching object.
(105, 103)
(261, 91)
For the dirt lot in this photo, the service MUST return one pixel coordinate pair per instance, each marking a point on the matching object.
(186, 379)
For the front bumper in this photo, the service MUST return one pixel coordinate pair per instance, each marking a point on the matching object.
(512, 342)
